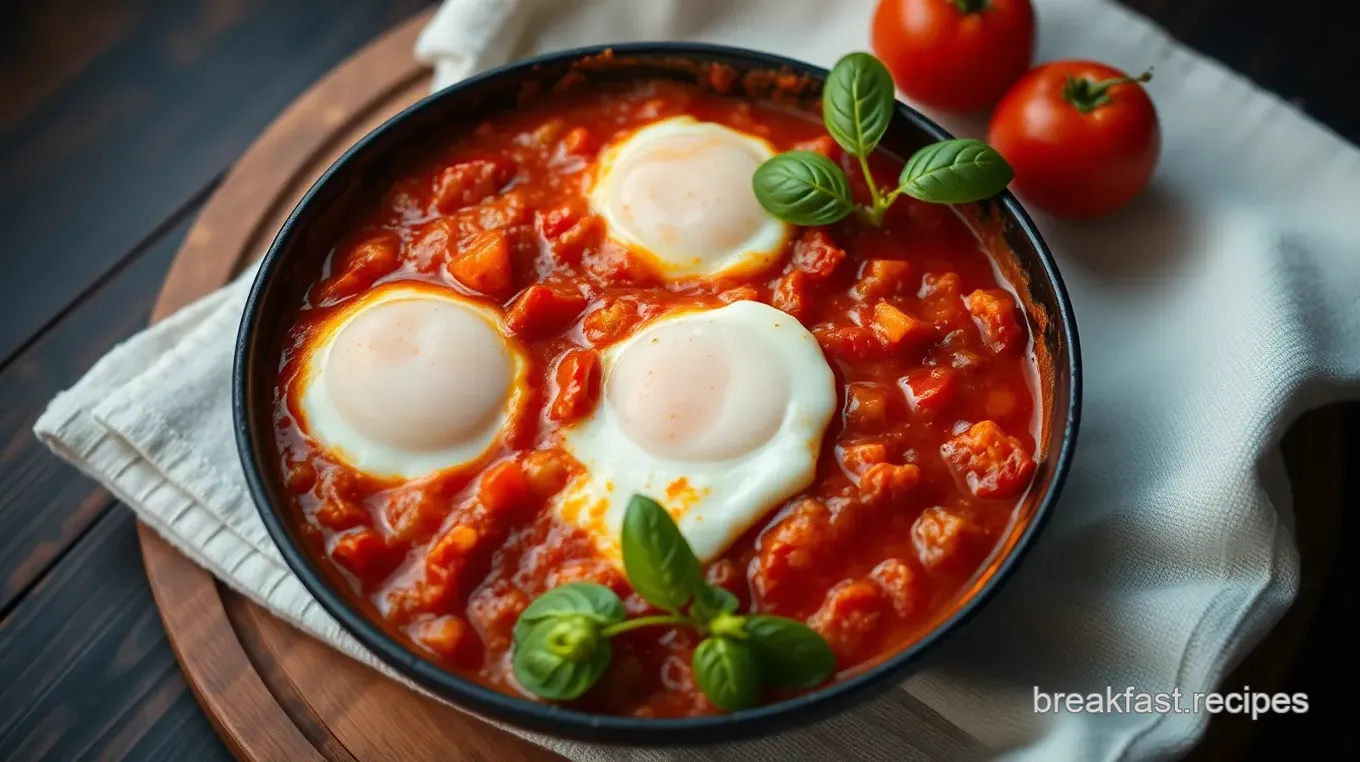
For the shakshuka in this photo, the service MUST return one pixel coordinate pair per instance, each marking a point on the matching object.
(582, 300)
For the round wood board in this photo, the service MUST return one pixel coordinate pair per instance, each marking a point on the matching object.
(274, 693)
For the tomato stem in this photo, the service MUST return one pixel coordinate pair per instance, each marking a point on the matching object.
(970, 6)
(1087, 95)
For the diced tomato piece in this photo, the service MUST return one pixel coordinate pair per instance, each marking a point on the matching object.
(433, 246)
(503, 487)
(902, 585)
(362, 552)
(590, 570)
(721, 78)
(579, 142)
(941, 286)
(339, 515)
(745, 293)
(414, 514)
(372, 258)
(449, 553)
(792, 294)
(881, 278)
(928, 390)
(470, 182)
(578, 385)
(824, 145)
(898, 330)
(300, 477)
(943, 538)
(866, 406)
(816, 254)
(559, 219)
(568, 230)
(484, 264)
(886, 482)
(861, 456)
(993, 463)
(849, 617)
(503, 212)
(446, 636)
(610, 322)
(994, 312)
(614, 265)
(540, 310)
(942, 300)
(849, 342)
(547, 472)
(792, 545)
(493, 610)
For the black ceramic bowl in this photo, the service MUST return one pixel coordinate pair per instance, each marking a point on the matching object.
(353, 185)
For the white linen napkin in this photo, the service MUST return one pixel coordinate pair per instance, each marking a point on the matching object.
(1213, 310)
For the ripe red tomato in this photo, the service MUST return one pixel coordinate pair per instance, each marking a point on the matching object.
(954, 55)
(1082, 137)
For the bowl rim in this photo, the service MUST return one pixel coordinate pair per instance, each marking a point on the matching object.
(523, 712)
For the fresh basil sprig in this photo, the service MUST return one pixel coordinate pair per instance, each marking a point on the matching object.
(807, 188)
(561, 640)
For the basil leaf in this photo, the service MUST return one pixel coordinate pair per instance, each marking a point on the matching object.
(857, 102)
(955, 172)
(596, 602)
(659, 563)
(727, 674)
(791, 654)
(803, 188)
(549, 664)
(711, 600)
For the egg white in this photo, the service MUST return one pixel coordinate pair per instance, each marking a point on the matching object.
(327, 427)
(713, 502)
(759, 249)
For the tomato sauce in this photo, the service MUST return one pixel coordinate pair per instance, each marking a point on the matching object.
(920, 475)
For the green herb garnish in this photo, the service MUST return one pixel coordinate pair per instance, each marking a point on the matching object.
(806, 188)
(562, 638)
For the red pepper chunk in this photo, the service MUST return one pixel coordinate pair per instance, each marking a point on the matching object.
(363, 553)
(993, 463)
(928, 390)
(858, 458)
(610, 322)
(866, 406)
(849, 342)
(504, 487)
(578, 385)
(541, 310)
(470, 182)
(445, 636)
(881, 278)
(792, 294)
(994, 312)
(484, 264)
(816, 254)
(897, 330)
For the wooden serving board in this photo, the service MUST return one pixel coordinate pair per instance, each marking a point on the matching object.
(276, 694)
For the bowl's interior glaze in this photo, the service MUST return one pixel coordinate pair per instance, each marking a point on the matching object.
(354, 185)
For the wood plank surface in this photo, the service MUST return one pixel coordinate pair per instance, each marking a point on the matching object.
(87, 671)
(118, 111)
(129, 110)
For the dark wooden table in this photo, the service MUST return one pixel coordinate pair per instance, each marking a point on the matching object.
(117, 120)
